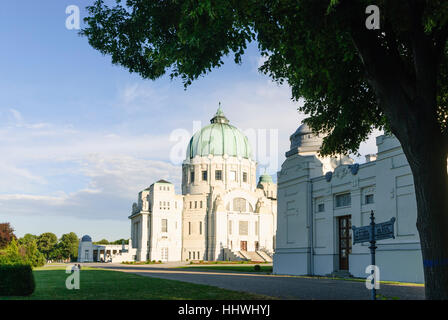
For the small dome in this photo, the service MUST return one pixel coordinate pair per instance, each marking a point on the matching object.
(265, 178)
(219, 138)
(304, 129)
(305, 140)
(86, 238)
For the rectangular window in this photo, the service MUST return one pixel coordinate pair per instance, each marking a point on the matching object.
(244, 176)
(191, 176)
(230, 227)
(200, 204)
(87, 254)
(189, 255)
(320, 207)
(189, 228)
(200, 227)
(232, 175)
(343, 200)
(257, 226)
(244, 228)
(164, 225)
(204, 175)
(218, 175)
(369, 199)
(165, 254)
(195, 204)
(194, 255)
(191, 204)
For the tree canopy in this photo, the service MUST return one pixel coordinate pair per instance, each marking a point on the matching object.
(6, 234)
(46, 243)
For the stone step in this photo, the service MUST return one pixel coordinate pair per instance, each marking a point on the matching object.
(341, 274)
(252, 255)
(265, 256)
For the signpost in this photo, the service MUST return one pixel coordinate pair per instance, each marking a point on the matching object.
(372, 233)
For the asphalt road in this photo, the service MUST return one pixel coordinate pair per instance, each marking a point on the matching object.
(283, 287)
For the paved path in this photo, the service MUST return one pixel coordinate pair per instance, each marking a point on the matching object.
(283, 287)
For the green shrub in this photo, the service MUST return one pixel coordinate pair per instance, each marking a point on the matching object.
(16, 280)
(257, 267)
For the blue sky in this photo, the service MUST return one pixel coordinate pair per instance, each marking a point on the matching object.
(79, 137)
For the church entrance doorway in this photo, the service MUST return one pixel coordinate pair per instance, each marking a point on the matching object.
(345, 241)
(243, 245)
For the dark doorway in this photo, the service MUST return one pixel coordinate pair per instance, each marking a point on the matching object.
(345, 241)
(257, 246)
(243, 245)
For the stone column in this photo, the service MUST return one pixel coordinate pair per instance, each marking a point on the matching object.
(143, 237)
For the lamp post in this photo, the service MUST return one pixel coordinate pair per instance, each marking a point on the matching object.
(372, 252)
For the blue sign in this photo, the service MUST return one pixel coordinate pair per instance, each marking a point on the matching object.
(361, 234)
(384, 230)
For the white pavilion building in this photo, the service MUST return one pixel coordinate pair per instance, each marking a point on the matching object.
(321, 198)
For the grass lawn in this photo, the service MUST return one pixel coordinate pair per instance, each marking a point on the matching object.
(240, 268)
(110, 285)
(201, 262)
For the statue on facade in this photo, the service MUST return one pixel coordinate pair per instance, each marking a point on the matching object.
(219, 204)
(260, 203)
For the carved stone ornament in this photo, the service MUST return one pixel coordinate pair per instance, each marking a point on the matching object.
(341, 171)
(354, 168)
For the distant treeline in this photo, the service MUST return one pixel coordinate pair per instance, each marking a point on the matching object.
(105, 241)
(37, 250)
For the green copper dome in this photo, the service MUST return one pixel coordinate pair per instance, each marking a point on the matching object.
(265, 178)
(219, 138)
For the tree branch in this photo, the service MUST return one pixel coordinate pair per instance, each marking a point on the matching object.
(440, 40)
(425, 59)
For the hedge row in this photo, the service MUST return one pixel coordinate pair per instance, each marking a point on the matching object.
(16, 280)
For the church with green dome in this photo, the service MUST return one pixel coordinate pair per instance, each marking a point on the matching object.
(223, 213)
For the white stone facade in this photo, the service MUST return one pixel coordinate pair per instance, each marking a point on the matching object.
(222, 213)
(314, 205)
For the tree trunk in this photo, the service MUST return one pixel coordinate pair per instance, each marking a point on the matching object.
(428, 162)
(410, 105)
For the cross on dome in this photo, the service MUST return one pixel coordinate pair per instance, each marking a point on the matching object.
(219, 116)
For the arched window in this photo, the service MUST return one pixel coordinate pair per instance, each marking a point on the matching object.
(239, 204)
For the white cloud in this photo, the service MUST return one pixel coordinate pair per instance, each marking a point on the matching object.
(113, 186)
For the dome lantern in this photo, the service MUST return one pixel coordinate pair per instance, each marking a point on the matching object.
(219, 116)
